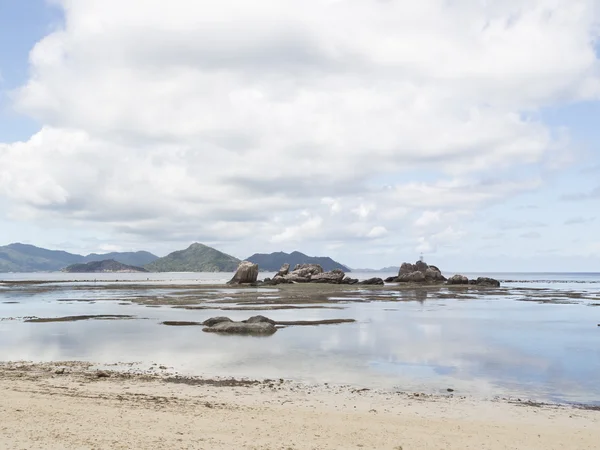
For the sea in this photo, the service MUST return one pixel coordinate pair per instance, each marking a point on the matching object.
(537, 338)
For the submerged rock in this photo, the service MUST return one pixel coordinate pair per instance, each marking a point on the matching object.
(458, 279)
(259, 319)
(215, 320)
(256, 329)
(247, 273)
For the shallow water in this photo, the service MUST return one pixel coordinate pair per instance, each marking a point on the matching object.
(481, 344)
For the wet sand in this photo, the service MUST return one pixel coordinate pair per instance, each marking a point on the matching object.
(74, 406)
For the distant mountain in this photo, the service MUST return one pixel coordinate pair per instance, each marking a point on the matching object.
(129, 258)
(196, 258)
(272, 262)
(105, 266)
(29, 258)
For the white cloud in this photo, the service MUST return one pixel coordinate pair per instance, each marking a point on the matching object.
(223, 121)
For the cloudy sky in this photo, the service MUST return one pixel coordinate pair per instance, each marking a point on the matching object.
(366, 130)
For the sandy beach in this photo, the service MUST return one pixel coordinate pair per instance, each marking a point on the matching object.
(74, 406)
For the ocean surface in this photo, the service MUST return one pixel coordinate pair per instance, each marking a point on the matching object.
(537, 338)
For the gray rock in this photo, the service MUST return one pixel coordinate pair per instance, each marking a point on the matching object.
(293, 278)
(247, 272)
(215, 320)
(348, 280)
(284, 270)
(390, 279)
(254, 329)
(434, 274)
(259, 319)
(307, 270)
(413, 277)
(372, 282)
(485, 281)
(421, 266)
(334, 277)
(458, 279)
(407, 268)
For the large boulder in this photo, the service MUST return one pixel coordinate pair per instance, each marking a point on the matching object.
(305, 270)
(372, 282)
(283, 271)
(413, 277)
(407, 268)
(433, 274)
(293, 278)
(254, 329)
(485, 281)
(421, 266)
(302, 273)
(334, 277)
(247, 272)
(458, 279)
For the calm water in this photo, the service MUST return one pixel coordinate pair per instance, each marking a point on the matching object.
(484, 345)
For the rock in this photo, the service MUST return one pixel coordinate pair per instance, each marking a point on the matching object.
(458, 279)
(255, 329)
(280, 280)
(334, 277)
(307, 270)
(390, 279)
(434, 274)
(60, 371)
(296, 278)
(348, 280)
(283, 271)
(215, 320)
(259, 319)
(485, 281)
(413, 277)
(102, 374)
(407, 268)
(247, 272)
(372, 282)
(421, 266)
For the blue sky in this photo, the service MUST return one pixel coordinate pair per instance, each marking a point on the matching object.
(142, 126)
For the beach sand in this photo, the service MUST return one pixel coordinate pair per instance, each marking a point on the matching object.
(77, 409)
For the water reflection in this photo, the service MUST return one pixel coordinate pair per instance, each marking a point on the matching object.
(484, 346)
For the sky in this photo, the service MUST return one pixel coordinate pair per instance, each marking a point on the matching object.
(370, 131)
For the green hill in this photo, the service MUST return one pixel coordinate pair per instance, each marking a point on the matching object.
(129, 258)
(196, 258)
(29, 258)
(106, 266)
(272, 262)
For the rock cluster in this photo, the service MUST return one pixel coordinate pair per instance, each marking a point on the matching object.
(313, 273)
(419, 272)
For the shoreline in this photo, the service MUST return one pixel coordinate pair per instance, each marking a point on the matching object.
(73, 404)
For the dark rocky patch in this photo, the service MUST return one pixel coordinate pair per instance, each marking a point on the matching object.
(177, 323)
(78, 318)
